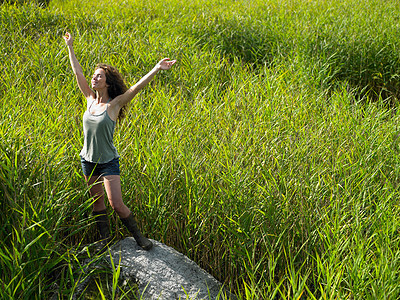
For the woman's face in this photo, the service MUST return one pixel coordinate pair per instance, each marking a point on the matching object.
(99, 79)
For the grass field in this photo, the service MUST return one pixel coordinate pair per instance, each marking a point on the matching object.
(269, 155)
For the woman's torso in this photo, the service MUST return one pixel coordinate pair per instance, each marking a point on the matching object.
(98, 128)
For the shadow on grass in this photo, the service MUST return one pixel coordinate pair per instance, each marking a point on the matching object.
(367, 61)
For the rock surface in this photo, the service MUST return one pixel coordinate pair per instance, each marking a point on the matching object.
(164, 273)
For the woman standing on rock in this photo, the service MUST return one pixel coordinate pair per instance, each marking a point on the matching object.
(106, 103)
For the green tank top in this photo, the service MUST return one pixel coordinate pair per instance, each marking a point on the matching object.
(98, 130)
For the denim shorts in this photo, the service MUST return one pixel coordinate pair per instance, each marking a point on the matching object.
(96, 169)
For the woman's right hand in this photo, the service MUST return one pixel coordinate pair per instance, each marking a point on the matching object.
(68, 39)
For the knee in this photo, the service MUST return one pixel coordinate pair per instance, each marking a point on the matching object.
(98, 199)
(117, 205)
(97, 194)
(99, 203)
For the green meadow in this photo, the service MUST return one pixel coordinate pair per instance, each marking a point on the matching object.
(269, 154)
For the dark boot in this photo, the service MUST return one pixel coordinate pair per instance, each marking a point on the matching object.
(131, 225)
(103, 227)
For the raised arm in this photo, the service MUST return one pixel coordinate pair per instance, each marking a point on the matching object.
(164, 64)
(76, 67)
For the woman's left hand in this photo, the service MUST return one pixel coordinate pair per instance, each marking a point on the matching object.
(166, 64)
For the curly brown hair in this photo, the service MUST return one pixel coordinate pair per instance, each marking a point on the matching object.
(116, 84)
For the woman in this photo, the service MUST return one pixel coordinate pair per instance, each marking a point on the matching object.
(106, 103)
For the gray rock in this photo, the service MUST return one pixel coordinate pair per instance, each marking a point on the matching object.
(164, 273)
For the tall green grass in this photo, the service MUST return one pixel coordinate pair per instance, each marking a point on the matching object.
(268, 155)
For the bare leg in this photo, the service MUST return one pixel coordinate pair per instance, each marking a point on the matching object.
(112, 183)
(99, 210)
(96, 191)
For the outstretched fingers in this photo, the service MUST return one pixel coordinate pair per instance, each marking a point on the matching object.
(166, 63)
